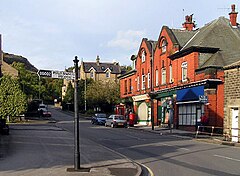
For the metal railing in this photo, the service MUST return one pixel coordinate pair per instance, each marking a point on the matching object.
(209, 130)
(216, 131)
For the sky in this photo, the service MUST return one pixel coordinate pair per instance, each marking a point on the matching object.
(50, 33)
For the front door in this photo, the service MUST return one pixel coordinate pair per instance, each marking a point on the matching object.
(235, 112)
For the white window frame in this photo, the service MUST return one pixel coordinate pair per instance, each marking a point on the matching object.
(138, 83)
(184, 71)
(143, 56)
(164, 46)
(164, 75)
(149, 80)
(143, 82)
(170, 74)
(157, 81)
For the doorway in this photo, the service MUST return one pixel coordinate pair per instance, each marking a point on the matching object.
(235, 113)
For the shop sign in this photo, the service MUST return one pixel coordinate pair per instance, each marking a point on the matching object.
(203, 99)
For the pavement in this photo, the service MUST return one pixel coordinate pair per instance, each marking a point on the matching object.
(124, 166)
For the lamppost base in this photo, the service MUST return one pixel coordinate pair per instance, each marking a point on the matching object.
(78, 170)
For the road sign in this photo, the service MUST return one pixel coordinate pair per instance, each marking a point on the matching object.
(203, 98)
(63, 75)
(56, 74)
(45, 73)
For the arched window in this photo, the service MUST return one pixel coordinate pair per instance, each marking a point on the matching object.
(164, 46)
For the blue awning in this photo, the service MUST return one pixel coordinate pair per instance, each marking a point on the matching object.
(190, 94)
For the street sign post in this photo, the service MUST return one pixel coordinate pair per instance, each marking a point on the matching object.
(56, 74)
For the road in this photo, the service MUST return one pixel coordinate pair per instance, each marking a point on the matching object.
(164, 154)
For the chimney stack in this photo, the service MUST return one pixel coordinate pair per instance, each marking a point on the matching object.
(97, 60)
(233, 16)
(188, 24)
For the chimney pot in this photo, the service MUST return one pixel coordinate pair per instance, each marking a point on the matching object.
(233, 16)
(189, 24)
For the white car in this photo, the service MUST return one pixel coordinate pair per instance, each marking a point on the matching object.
(42, 107)
(116, 120)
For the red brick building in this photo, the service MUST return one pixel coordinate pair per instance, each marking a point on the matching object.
(183, 74)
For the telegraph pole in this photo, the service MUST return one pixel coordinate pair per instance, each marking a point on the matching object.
(76, 119)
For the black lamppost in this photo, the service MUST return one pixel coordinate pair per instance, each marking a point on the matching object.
(76, 118)
(151, 85)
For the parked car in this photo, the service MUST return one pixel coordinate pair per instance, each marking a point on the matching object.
(4, 128)
(116, 120)
(99, 119)
(43, 111)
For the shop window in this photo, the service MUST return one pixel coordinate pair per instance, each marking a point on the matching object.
(187, 114)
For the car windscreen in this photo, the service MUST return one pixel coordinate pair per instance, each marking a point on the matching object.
(101, 115)
(119, 118)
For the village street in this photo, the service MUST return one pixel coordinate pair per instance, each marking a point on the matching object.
(48, 148)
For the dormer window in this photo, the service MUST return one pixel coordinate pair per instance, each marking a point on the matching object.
(164, 46)
(143, 56)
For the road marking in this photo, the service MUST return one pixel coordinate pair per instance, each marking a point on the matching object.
(181, 148)
(228, 158)
(184, 149)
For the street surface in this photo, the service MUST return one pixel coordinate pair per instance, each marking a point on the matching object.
(50, 145)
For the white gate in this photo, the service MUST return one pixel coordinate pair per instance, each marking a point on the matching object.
(235, 112)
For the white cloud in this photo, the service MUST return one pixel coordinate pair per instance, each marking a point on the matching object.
(127, 40)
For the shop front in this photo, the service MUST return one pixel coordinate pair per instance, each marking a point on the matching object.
(165, 106)
(190, 107)
(142, 107)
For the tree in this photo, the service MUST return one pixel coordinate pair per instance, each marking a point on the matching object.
(103, 94)
(69, 97)
(29, 81)
(13, 101)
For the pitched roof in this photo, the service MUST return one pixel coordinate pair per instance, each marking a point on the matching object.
(101, 67)
(222, 40)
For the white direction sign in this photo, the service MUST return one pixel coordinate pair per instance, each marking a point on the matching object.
(63, 75)
(56, 74)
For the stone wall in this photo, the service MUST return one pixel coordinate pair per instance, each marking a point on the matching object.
(231, 96)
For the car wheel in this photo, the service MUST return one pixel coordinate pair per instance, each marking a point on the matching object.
(105, 124)
(112, 125)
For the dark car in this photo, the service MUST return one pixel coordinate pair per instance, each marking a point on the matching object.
(99, 119)
(4, 128)
(116, 120)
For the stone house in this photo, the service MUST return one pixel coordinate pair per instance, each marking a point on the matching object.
(232, 101)
(100, 71)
